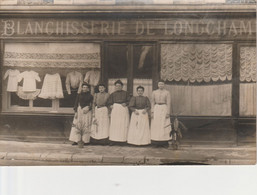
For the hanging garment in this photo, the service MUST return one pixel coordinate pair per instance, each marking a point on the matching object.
(100, 125)
(92, 77)
(74, 80)
(139, 130)
(160, 107)
(144, 51)
(29, 80)
(12, 84)
(52, 87)
(27, 95)
(81, 126)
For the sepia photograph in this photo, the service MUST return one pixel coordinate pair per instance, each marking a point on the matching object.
(127, 82)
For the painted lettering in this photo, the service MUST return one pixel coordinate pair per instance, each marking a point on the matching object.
(8, 28)
(139, 28)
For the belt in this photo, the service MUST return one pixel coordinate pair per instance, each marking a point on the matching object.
(161, 104)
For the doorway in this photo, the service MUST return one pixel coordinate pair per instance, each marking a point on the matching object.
(133, 63)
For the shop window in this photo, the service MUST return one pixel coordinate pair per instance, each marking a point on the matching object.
(46, 77)
(199, 78)
(247, 99)
(132, 64)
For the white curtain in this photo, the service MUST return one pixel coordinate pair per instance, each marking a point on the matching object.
(210, 100)
(52, 55)
(146, 83)
(247, 100)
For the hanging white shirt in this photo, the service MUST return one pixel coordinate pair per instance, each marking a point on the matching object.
(12, 84)
(92, 77)
(29, 80)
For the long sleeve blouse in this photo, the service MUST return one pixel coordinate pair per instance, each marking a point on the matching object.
(161, 97)
(74, 80)
(119, 97)
(83, 99)
(139, 102)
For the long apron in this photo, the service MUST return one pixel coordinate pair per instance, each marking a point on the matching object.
(139, 131)
(119, 123)
(100, 125)
(158, 130)
(81, 126)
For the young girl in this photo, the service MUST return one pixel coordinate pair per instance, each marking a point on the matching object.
(83, 116)
(160, 128)
(118, 102)
(100, 124)
(139, 132)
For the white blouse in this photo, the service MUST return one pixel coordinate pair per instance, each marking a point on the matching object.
(92, 77)
(12, 84)
(161, 97)
(29, 80)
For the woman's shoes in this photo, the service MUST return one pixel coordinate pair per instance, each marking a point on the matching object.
(74, 144)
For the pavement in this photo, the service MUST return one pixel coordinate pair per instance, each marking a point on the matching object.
(13, 153)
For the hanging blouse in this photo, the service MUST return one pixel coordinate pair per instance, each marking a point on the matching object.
(29, 80)
(12, 84)
(74, 80)
(52, 87)
(92, 77)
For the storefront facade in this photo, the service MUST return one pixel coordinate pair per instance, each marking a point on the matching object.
(207, 59)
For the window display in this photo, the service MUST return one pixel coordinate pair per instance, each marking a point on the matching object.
(46, 77)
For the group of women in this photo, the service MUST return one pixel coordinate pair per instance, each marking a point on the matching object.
(106, 117)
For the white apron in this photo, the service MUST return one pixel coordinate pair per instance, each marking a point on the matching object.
(139, 131)
(119, 123)
(81, 126)
(100, 125)
(158, 130)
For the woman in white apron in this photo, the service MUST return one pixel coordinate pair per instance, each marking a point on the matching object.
(81, 126)
(100, 123)
(160, 128)
(139, 131)
(119, 124)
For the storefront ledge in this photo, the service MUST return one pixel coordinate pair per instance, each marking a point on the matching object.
(113, 159)
(134, 160)
(56, 157)
(87, 158)
(22, 156)
(3, 155)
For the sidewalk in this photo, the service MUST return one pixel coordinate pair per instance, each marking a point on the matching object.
(27, 153)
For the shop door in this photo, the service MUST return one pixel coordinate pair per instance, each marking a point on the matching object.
(132, 63)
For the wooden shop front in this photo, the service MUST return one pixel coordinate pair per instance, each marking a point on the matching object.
(207, 59)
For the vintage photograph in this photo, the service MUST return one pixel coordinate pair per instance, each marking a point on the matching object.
(127, 82)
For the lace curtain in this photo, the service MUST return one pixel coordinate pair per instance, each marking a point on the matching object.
(52, 55)
(196, 62)
(248, 64)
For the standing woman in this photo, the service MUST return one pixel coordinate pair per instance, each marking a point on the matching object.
(139, 131)
(100, 124)
(160, 128)
(118, 102)
(82, 120)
